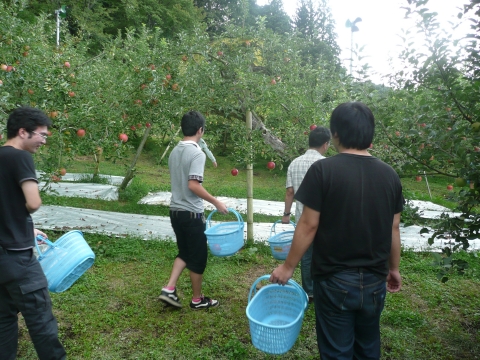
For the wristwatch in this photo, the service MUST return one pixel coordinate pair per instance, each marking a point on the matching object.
(286, 214)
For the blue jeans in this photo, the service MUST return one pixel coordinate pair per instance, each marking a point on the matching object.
(306, 272)
(347, 309)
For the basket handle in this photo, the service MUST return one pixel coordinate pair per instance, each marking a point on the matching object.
(46, 241)
(272, 230)
(239, 218)
(253, 289)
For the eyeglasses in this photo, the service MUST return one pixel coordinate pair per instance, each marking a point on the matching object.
(45, 136)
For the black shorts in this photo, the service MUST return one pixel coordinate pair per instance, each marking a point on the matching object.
(189, 229)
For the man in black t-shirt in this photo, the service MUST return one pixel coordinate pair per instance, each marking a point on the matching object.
(352, 205)
(23, 285)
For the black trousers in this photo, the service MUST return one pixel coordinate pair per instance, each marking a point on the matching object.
(24, 288)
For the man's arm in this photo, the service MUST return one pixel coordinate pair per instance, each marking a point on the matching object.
(195, 187)
(32, 195)
(288, 204)
(394, 280)
(302, 238)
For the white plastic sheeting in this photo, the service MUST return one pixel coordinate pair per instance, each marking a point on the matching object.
(69, 186)
(265, 207)
(427, 209)
(157, 227)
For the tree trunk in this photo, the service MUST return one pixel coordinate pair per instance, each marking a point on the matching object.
(131, 171)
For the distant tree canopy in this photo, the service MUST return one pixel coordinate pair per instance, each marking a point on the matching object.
(99, 20)
(220, 13)
(316, 25)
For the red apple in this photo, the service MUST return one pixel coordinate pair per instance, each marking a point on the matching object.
(71, 94)
(81, 132)
(66, 64)
(418, 178)
(63, 171)
(273, 82)
(234, 172)
(143, 86)
(449, 187)
(9, 68)
(168, 76)
(123, 137)
(152, 67)
(313, 127)
(219, 53)
(133, 128)
(271, 165)
(55, 178)
(423, 125)
(175, 87)
(25, 54)
(148, 125)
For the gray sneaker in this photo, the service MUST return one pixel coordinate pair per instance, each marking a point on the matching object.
(170, 298)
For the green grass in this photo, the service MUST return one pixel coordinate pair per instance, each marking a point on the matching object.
(112, 312)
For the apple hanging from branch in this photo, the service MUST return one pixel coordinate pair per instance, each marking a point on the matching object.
(271, 165)
(234, 172)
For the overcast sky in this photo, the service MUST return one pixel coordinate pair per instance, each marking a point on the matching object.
(382, 21)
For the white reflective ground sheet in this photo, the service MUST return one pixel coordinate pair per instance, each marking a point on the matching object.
(157, 227)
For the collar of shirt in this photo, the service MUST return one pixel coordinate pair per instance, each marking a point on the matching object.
(190, 142)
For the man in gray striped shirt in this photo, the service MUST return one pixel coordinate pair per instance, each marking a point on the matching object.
(318, 142)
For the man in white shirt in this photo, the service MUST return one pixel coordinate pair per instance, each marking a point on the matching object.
(318, 142)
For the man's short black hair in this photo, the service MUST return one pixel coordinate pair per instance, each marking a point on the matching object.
(27, 118)
(318, 136)
(191, 122)
(354, 124)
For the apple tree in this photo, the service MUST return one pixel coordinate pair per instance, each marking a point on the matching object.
(430, 118)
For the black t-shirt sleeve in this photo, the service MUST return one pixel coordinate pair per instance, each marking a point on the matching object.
(25, 169)
(310, 191)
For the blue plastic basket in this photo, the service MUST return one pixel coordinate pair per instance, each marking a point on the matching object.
(280, 243)
(226, 238)
(65, 260)
(275, 315)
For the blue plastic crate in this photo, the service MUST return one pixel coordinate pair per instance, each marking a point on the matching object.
(275, 315)
(280, 243)
(65, 260)
(226, 238)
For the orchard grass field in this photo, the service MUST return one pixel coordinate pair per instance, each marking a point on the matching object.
(113, 311)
